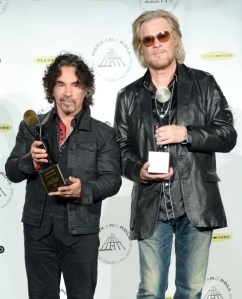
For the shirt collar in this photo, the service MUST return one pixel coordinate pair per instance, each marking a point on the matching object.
(74, 121)
(148, 84)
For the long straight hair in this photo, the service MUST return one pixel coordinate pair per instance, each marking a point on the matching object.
(175, 27)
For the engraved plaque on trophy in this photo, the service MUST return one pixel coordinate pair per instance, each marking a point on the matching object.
(52, 178)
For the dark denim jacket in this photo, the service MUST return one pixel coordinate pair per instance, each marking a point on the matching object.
(93, 157)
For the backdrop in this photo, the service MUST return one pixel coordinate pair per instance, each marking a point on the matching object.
(32, 32)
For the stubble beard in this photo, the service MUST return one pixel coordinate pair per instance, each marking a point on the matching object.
(160, 65)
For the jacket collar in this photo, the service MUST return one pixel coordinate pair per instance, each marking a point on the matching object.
(47, 123)
(84, 119)
(184, 88)
(143, 98)
(183, 95)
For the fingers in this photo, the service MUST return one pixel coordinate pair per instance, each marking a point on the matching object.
(65, 194)
(169, 174)
(146, 176)
(170, 134)
(38, 154)
(71, 191)
(160, 177)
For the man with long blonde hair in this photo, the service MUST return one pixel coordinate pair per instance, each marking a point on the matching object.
(182, 112)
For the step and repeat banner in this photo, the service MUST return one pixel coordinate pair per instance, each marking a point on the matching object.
(32, 33)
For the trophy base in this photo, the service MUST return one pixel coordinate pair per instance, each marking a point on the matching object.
(52, 178)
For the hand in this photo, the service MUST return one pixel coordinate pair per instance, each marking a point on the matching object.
(38, 154)
(170, 134)
(71, 191)
(146, 176)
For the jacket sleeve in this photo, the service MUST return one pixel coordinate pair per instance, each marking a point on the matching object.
(131, 164)
(218, 133)
(19, 165)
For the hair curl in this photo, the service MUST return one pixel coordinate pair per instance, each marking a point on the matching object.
(83, 72)
(156, 14)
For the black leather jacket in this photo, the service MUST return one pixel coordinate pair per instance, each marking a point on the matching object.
(93, 157)
(201, 105)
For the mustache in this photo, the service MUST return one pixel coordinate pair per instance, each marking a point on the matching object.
(68, 99)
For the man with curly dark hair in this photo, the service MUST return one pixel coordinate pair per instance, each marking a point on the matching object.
(84, 75)
(61, 226)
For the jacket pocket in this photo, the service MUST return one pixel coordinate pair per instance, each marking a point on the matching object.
(211, 177)
(89, 146)
(211, 186)
(86, 156)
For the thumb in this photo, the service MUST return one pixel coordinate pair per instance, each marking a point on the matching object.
(72, 179)
(146, 165)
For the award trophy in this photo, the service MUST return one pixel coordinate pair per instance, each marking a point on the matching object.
(159, 160)
(51, 175)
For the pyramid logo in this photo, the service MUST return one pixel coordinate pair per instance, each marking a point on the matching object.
(213, 294)
(112, 60)
(112, 243)
(216, 288)
(115, 245)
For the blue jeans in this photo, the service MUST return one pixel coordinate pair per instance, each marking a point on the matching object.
(192, 251)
